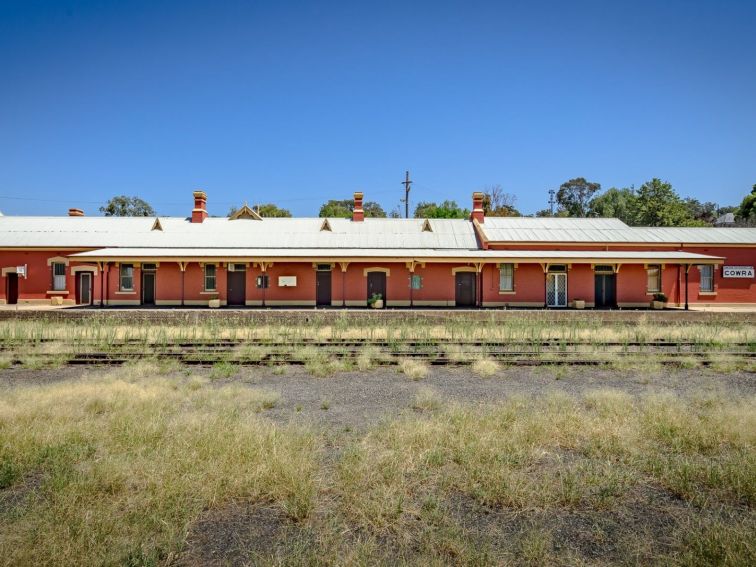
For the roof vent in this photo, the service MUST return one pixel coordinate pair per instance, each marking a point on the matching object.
(326, 225)
(75, 213)
(427, 226)
(245, 213)
(156, 225)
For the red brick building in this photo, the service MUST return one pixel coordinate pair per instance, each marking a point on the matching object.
(484, 262)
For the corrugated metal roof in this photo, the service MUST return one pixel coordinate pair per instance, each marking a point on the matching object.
(90, 232)
(253, 254)
(526, 229)
(97, 232)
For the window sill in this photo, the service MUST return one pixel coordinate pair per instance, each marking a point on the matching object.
(708, 293)
(125, 292)
(57, 292)
(649, 293)
(208, 293)
(508, 292)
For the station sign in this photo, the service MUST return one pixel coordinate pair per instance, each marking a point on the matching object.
(737, 271)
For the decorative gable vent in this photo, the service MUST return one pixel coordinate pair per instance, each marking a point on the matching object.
(245, 213)
(427, 226)
(156, 225)
(326, 225)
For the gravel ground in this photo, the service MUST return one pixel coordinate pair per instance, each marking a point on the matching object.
(358, 400)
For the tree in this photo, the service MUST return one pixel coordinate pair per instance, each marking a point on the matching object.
(344, 208)
(615, 203)
(747, 210)
(706, 212)
(267, 210)
(559, 213)
(660, 205)
(498, 203)
(123, 206)
(575, 194)
(446, 210)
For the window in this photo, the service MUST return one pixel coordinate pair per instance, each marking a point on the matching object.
(59, 276)
(149, 267)
(209, 277)
(653, 281)
(416, 281)
(506, 277)
(239, 267)
(707, 278)
(127, 277)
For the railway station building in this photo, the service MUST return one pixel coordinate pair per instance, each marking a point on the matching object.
(246, 260)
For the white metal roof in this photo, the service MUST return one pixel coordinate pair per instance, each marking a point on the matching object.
(599, 230)
(95, 232)
(306, 254)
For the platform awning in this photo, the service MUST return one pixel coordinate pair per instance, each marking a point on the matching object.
(393, 254)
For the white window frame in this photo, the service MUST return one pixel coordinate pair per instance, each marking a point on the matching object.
(59, 280)
(650, 268)
(707, 279)
(122, 277)
(213, 277)
(502, 276)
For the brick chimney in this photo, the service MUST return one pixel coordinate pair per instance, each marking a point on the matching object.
(75, 213)
(358, 215)
(199, 213)
(477, 211)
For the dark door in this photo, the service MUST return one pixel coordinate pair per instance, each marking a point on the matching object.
(377, 285)
(11, 288)
(85, 288)
(465, 295)
(237, 289)
(606, 290)
(148, 288)
(323, 288)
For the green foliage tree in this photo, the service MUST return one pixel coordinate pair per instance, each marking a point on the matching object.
(747, 210)
(267, 210)
(659, 205)
(498, 203)
(615, 203)
(706, 212)
(446, 210)
(344, 208)
(123, 206)
(575, 194)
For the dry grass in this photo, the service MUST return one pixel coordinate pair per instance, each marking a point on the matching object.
(414, 369)
(118, 468)
(485, 367)
(125, 462)
(560, 457)
(427, 399)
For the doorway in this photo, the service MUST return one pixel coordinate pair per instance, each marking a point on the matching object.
(11, 288)
(148, 288)
(323, 288)
(85, 289)
(376, 284)
(465, 289)
(237, 286)
(606, 290)
(556, 290)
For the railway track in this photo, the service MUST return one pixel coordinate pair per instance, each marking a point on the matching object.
(382, 352)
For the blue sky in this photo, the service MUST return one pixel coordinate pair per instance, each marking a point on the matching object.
(300, 102)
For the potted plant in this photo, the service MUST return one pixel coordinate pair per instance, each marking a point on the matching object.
(659, 301)
(578, 303)
(376, 301)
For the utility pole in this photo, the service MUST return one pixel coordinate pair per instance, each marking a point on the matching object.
(406, 184)
(551, 200)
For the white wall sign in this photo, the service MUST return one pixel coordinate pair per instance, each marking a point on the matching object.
(737, 271)
(287, 281)
(21, 271)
